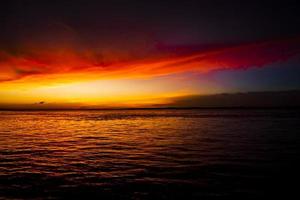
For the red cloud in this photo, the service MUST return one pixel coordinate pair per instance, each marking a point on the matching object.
(13, 67)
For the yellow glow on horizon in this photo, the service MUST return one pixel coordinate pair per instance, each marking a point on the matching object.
(114, 92)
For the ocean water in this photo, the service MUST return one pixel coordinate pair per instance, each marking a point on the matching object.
(149, 154)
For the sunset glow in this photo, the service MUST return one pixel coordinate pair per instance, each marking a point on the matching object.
(146, 99)
(64, 76)
(63, 60)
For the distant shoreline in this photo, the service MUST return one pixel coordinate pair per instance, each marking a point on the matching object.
(247, 100)
(163, 108)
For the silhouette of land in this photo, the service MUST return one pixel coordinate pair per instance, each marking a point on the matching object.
(248, 100)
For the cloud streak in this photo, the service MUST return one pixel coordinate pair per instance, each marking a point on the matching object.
(249, 99)
(90, 64)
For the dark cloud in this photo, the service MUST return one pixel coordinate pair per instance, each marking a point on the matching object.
(250, 99)
(126, 24)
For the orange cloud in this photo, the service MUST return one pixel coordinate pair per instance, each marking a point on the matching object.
(89, 65)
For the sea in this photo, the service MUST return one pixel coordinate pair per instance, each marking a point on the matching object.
(150, 154)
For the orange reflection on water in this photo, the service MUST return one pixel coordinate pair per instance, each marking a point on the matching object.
(93, 141)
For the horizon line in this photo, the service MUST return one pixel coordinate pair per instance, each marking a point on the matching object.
(155, 108)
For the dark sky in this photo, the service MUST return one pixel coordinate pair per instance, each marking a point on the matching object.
(131, 22)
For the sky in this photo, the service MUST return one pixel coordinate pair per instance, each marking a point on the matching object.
(144, 53)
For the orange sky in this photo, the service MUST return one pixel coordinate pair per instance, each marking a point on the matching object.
(66, 76)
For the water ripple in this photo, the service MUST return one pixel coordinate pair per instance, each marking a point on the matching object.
(148, 154)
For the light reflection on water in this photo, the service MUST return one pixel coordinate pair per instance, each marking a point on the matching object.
(147, 154)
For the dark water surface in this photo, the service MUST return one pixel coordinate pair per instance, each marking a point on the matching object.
(149, 154)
